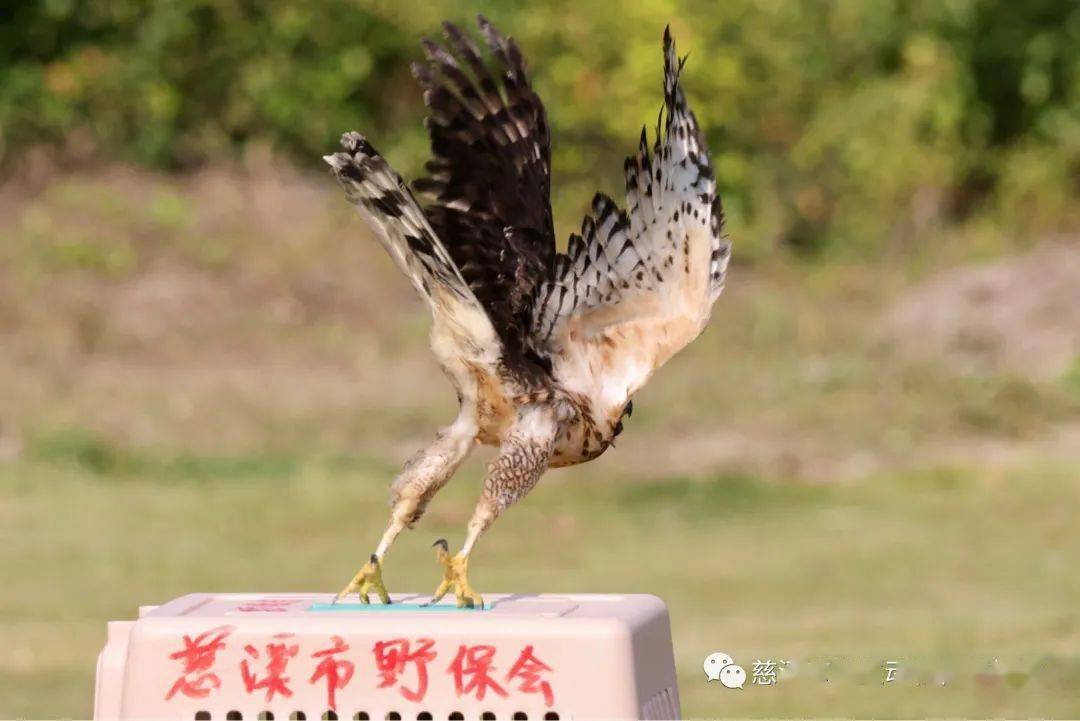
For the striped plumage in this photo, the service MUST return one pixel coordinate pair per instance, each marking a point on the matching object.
(544, 348)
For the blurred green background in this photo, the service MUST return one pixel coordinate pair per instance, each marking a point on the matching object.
(208, 374)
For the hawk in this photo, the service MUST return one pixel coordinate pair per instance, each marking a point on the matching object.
(545, 348)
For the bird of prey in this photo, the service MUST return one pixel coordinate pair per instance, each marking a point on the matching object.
(545, 348)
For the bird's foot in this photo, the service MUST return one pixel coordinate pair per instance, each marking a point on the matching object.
(367, 580)
(455, 576)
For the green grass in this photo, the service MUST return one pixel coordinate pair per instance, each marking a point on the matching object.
(946, 569)
(209, 379)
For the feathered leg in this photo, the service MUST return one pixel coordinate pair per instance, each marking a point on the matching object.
(522, 459)
(421, 478)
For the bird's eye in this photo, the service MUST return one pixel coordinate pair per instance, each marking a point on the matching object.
(629, 410)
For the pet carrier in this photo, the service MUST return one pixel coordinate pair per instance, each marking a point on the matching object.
(222, 657)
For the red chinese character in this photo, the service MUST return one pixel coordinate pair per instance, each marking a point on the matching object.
(391, 657)
(198, 656)
(266, 604)
(277, 658)
(528, 669)
(475, 663)
(337, 672)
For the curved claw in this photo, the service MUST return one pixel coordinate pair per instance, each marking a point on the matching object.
(367, 580)
(455, 576)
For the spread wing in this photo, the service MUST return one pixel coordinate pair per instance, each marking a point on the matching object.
(638, 285)
(489, 182)
(395, 218)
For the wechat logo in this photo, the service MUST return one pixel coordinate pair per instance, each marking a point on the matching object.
(721, 667)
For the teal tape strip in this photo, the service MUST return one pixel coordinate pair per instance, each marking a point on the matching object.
(392, 608)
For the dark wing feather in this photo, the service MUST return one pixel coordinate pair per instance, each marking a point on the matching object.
(489, 182)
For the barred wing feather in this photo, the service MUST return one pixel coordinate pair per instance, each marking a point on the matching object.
(638, 285)
(397, 220)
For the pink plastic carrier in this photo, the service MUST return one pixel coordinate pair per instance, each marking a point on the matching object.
(221, 657)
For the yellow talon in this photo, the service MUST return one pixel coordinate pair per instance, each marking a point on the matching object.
(366, 580)
(455, 576)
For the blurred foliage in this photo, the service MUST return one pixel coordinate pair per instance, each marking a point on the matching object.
(858, 125)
